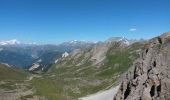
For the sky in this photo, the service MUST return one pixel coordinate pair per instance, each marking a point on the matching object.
(56, 21)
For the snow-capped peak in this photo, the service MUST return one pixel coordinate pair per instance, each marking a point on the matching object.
(10, 42)
(15, 42)
(81, 42)
(74, 41)
(122, 39)
(119, 39)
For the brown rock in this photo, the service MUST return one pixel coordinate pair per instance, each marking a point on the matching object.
(149, 78)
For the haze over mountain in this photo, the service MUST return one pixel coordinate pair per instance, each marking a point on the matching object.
(23, 55)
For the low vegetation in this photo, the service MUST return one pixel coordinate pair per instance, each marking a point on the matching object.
(72, 81)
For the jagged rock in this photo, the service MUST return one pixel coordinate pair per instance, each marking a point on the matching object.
(149, 78)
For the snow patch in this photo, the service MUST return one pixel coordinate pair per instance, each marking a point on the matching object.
(40, 60)
(74, 41)
(35, 66)
(65, 54)
(56, 61)
(103, 95)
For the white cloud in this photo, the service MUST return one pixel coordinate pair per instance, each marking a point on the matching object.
(132, 29)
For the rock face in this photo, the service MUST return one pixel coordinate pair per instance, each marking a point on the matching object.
(149, 78)
(99, 52)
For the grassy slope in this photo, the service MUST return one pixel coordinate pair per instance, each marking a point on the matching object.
(119, 60)
(9, 73)
(11, 78)
(71, 82)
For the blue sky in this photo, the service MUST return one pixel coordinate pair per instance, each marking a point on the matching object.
(55, 21)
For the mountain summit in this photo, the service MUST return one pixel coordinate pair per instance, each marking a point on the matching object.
(10, 42)
(122, 39)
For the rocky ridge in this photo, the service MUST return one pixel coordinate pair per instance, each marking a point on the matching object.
(149, 78)
(96, 54)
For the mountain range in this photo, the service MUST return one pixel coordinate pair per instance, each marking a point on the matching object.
(87, 66)
(26, 55)
(132, 69)
(10, 42)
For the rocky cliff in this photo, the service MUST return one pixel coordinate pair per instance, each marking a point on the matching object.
(149, 78)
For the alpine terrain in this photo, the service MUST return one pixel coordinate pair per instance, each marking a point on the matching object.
(74, 74)
(149, 79)
(117, 68)
(84, 50)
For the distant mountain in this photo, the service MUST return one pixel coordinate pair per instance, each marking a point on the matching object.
(142, 66)
(10, 42)
(97, 54)
(73, 44)
(24, 55)
(122, 39)
(89, 70)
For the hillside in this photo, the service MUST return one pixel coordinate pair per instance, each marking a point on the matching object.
(79, 73)
(25, 56)
(10, 73)
(95, 69)
(13, 83)
(82, 73)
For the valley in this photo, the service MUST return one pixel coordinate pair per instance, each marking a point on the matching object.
(82, 72)
(103, 70)
(84, 50)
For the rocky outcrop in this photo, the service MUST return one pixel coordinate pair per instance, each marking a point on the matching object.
(149, 78)
(99, 52)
